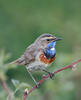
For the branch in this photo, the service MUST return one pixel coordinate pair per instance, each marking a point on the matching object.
(26, 93)
(7, 90)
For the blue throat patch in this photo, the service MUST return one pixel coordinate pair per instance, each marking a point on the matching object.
(50, 51)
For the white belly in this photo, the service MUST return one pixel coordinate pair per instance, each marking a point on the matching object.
(37, 65)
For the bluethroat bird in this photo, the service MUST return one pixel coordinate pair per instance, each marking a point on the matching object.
(39, 55)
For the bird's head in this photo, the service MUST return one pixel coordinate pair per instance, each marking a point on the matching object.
(46, 39)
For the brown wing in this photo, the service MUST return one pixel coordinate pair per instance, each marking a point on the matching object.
(27, 57)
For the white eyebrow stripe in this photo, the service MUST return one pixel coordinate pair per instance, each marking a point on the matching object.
(47, 38)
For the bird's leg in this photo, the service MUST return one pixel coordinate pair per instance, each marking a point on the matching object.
(37, 83)
(50, 73)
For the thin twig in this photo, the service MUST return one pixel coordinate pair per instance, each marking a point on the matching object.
(26, 93)
(7, 90)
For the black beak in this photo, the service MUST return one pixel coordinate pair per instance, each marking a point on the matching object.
(57, 39)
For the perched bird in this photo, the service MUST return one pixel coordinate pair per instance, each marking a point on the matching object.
(39, 55)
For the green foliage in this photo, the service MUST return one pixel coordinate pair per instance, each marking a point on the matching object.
(3, 67)
(21, 22)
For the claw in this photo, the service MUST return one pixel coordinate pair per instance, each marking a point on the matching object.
(51, 75)
(44, 76)
(37, 84)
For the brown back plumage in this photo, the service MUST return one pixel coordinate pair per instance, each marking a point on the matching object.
(32, 51)
(27, 57)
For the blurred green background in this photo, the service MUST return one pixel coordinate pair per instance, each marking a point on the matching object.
(21, 22)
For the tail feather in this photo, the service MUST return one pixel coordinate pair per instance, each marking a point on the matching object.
(20, 61)
(16, 62)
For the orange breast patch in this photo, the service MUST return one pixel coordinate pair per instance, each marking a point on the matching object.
(45, 60)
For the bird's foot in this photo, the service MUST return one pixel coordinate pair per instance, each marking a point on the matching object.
(52, 75)
(37, 84)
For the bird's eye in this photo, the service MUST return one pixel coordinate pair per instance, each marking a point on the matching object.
(48, 39)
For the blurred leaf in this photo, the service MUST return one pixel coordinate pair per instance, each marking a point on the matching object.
(15, 82)
(19, 86)
(4, 67)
